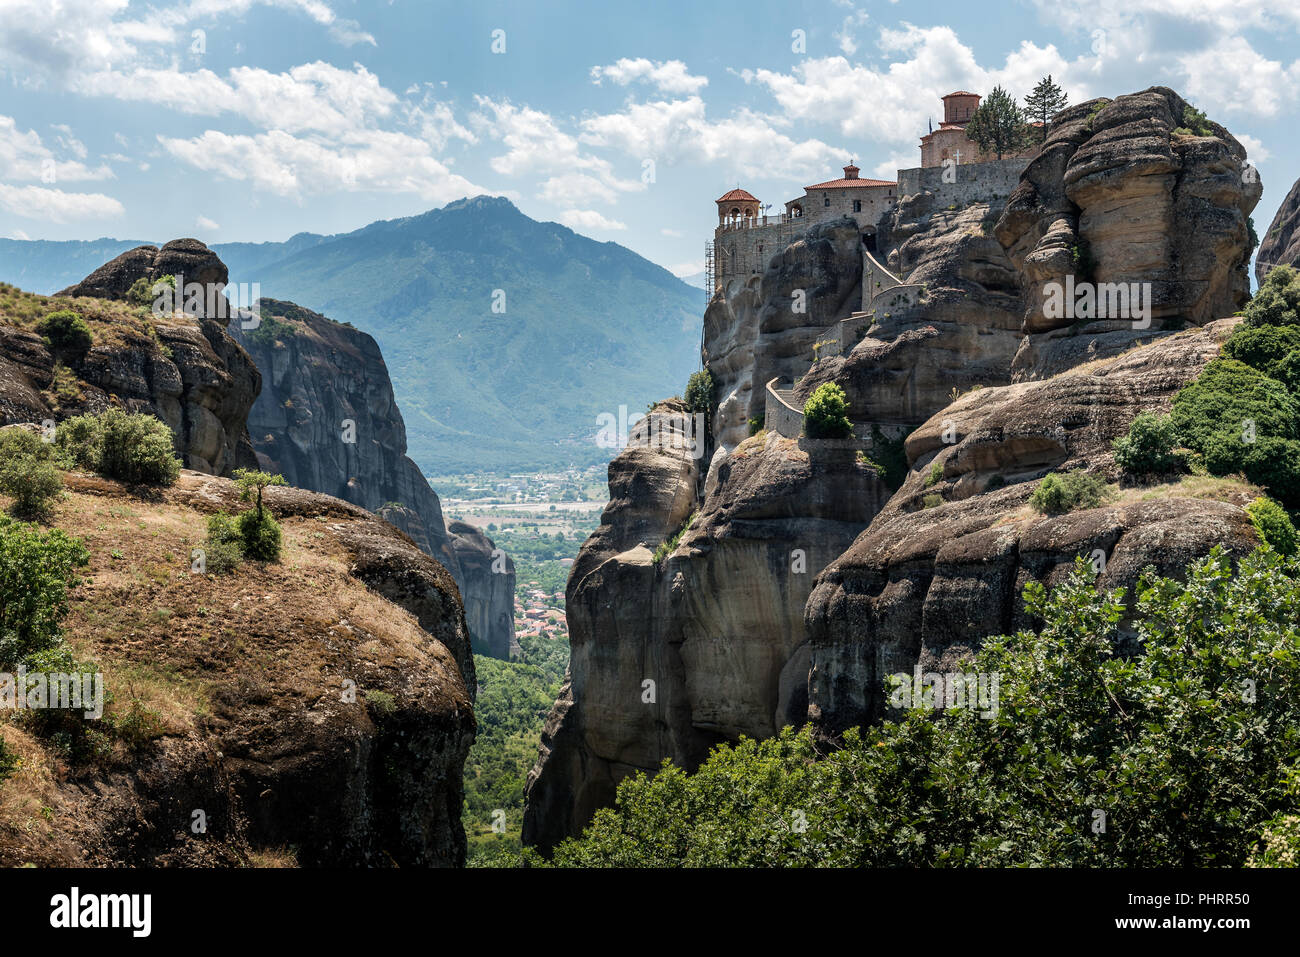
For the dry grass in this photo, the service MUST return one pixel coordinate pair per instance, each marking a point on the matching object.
(192, 649)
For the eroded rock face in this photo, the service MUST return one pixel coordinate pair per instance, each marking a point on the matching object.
(1280, 246)
(327, 420)
(944, 564)
(487, 586)
(961, 332)
(767, 329)
(187, 258)
(716, 624)
(1118, 195)
(193, 376)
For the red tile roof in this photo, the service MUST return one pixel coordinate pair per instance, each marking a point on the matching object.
(735, 196)
(850, 183)
(960, 93)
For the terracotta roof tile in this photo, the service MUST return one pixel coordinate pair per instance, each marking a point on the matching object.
(736, 195)
(850, 183)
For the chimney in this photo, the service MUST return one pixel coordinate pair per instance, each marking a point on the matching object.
(851, 171)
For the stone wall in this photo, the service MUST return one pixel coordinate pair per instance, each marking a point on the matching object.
(975, 182)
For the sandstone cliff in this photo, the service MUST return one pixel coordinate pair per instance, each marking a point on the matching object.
(714, 621)
(1281, 244)
(327, 420)
(944, 563)
(313, 712)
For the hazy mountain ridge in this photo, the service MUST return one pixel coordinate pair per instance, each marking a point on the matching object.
(587, 327)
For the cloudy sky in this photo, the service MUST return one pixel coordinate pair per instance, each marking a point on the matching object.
(257, 119)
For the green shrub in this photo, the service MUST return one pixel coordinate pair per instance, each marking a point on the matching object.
(935, 475)
(1277, 301)
(1059, 493)
(65, 331)
(259, 534)
(36, 570)
(1227, 394)
(29, 472)
(144, 291)
(1263, 347)
(1195, 123)
(1273, 525)
(224, 549)
(1185, 769)
(699, 391)
(825, 413)
(756, 423)
(1148, 449)
(131, 447)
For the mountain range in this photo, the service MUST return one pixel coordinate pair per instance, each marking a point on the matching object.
(505, 337)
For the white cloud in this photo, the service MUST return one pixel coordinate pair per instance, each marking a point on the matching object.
(54, 205)
(204, 223)
(669, 77)
(589, 219)
(682, 270)
(893, 104)
(293, 166)
(18, 234)
(675, 233)
(536, 145)
(311, 96)
(24, 156)
(1253, 86)
(678, 130)
(1256, 151)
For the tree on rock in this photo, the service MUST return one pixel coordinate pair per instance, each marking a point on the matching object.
(1043, 103)
(826, 413)
(998, 126)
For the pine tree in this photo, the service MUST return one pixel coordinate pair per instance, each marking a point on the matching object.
(998, 126)
(1045, 102)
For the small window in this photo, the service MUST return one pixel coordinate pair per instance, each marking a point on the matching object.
(826, 200)
(857, 205)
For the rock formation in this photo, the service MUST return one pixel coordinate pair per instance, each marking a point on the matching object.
(994, 395)
(318, 710)
(1281, 244)
(714, 621)
(1123, 192)
(327, 420)
(944, 563)
(186, 370)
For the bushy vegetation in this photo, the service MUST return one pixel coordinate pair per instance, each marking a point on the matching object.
(259, 532)
(145, 291)
(37, 568)
(1183, 756)
(891, 456)
(1148, 449)
(825, 414)
(65, 331)
(1242, 414)
(128, 446)
(1195, 123)
(1063, 492)
(224, 548)
(699, 392)
(669, 546)
(29, 472)
(1274, 526)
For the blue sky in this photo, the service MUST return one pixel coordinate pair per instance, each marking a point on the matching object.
(622, 120)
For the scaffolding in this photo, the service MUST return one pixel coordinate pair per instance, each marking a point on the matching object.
(710, 275)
